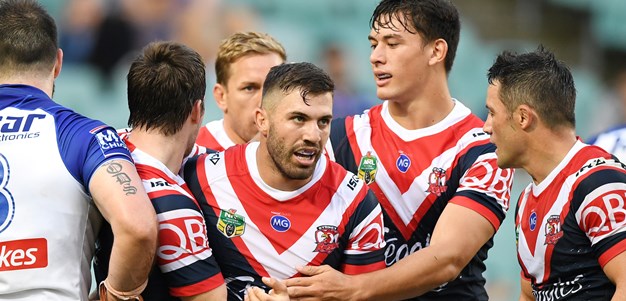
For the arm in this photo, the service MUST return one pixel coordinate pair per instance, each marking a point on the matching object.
(217, 294)
(614, 269)
(526, 293)
(450, 250)
(122, 200)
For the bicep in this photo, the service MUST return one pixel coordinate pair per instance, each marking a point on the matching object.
(526, 290)
(461, 232)
(118, 191)
(614, 269)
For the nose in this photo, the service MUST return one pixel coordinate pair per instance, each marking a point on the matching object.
(312, 133)
(487, 126)
(377, 56)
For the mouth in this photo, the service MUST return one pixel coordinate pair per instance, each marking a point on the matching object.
(306, 156)
(381, 78)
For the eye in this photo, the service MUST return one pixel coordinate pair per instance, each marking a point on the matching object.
(324, 122)
(249, 88)
(298, 118)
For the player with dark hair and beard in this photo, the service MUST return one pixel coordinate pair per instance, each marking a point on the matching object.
(279, 203)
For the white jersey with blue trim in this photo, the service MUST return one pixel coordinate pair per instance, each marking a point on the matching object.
(48, 220)
(613, 141)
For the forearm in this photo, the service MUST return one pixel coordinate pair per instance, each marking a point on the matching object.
(412, 276)
(131, 259)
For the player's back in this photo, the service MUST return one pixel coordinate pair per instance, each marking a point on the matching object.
(47, 219)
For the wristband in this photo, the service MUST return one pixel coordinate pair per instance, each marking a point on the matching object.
(135, 294)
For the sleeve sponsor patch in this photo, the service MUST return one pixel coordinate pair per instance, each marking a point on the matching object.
(110, 142)
(603, 212)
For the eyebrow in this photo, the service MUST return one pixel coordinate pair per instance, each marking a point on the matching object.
(385, 37)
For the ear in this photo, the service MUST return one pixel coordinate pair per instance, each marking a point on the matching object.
(58, 64)
(197, 112)
(439, 51)
(219, 93)
(261, 120)
(526, 117)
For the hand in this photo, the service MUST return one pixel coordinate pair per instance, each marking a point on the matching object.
(278, 292)
(324, 283)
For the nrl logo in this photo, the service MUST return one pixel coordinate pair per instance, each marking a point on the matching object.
(327, 238)
(368, 168)
(553, 230)
(437, 181)
(231, 224)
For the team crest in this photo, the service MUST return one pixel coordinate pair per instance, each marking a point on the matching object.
(553, 230)
(368, 168)
(230, 223)
(327, 238)
(437, 181)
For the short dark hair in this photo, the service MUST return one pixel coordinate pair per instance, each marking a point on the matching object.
(538, 80)
(164, 82)
(28, 37)
(432, 19)
(307, 77)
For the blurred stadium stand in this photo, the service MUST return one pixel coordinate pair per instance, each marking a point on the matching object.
(589, 35)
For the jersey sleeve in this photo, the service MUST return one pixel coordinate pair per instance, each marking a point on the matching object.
(365, 249)
(85, 144)
(183, 253)
(601, 213)
(484, 187)
(338, 147)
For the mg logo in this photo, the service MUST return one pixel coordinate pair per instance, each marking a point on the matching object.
(403, 163)
(280, 223)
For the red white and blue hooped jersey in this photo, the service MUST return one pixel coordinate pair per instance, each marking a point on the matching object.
(213, 136)
(184, 262)
(184, 257)
(48, 220)
(416, 173)
(259, 231)
(613, 141)
(571, 224)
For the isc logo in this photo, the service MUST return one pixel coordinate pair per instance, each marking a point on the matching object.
(16, 124)
(280, 223)
(23, 254)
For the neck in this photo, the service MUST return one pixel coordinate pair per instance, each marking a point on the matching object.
(543, 155)
(232, 135)
(170, 150)
(43, 83)
(423, 108)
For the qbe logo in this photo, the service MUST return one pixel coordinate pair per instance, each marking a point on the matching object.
(23, 254)
(280, 223)
(7, 203)
(182, 235)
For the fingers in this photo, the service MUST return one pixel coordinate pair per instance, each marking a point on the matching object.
(311, 270)
(255, 294)
(277, 286)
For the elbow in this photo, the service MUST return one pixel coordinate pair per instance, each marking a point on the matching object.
(142, 229)
(451, 270)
